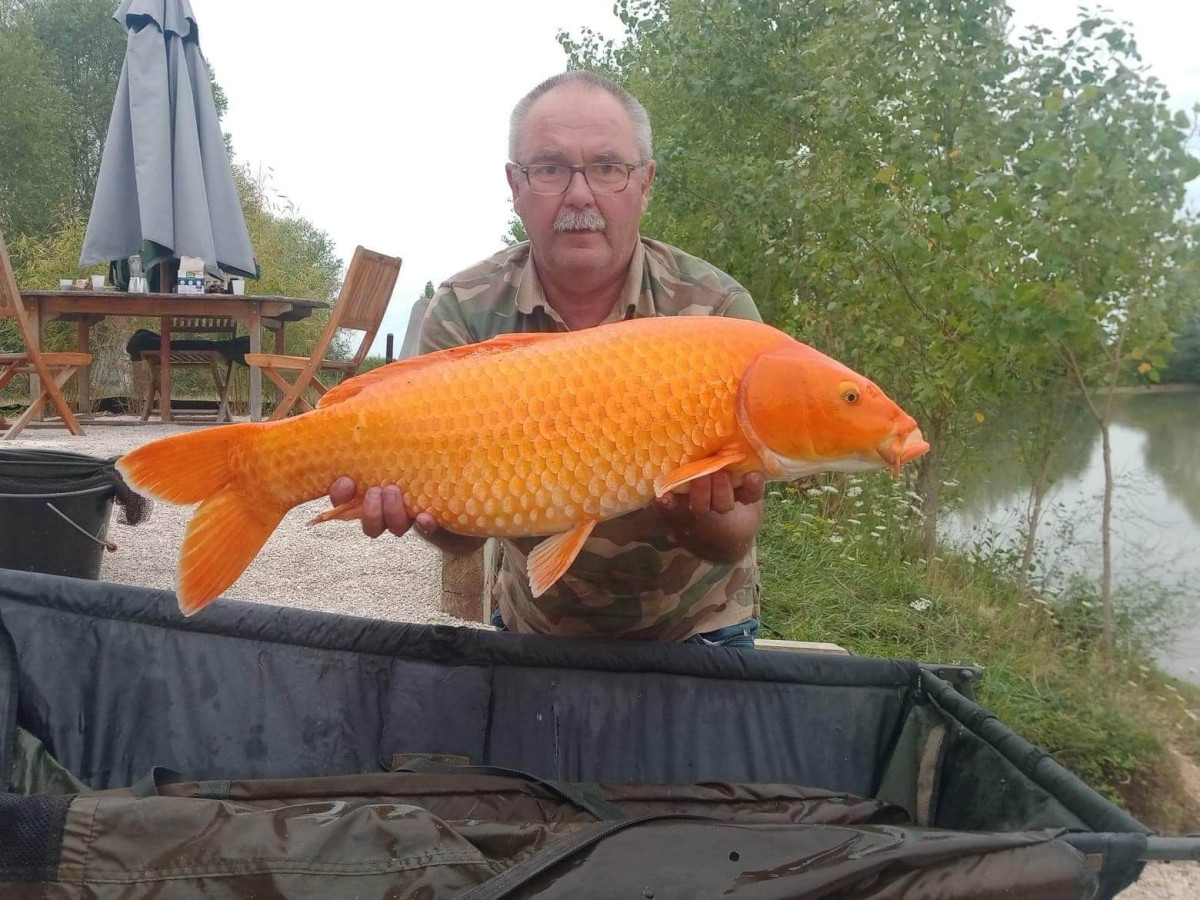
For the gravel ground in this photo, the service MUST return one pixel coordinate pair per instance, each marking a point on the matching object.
(1166, 881)
(334, 568)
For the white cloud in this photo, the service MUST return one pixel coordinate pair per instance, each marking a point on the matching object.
(387, 125)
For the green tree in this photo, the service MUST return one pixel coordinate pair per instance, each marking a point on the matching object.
(833, 156)
(60, 63)
(87, 49)
(516, 231)
(296, 258)
(877, 176)
(35, 132)
(1103, 163)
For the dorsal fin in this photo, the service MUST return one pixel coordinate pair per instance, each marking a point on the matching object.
(351, 387)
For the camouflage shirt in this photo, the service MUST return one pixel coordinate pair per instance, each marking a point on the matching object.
(631, 580)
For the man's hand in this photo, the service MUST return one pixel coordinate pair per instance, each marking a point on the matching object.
(715, 520)
(383, 510)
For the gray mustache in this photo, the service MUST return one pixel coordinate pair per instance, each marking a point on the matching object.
(579, 220)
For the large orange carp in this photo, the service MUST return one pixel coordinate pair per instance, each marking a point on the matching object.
(530, 434)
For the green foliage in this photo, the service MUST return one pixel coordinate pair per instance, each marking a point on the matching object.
(60, 62)
(371, 362)
(86, 49)
(39, 263)
(1183, 364)
(59, 65)
(1104, 163)
(516, 231)
(297, 260)
(34, 134)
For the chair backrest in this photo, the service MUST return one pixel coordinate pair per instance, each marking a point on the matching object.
(362, 301)
(11, 305)
(225, 325)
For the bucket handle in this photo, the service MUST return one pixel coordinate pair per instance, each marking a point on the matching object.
(107, 545)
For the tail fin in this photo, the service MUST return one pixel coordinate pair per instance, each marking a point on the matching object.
(235, 517)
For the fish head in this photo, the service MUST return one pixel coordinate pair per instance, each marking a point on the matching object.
(804, 412)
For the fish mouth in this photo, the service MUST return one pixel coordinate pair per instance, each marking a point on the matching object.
(898, 449)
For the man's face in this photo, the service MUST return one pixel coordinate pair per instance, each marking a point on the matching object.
(577, 125)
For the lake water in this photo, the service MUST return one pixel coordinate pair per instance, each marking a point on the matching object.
(1156, 512)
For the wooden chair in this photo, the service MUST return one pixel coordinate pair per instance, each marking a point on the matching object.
(51, 369)
(360, 306)
(194, 355)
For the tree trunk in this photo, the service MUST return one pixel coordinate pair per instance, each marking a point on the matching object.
(1055, 424)
(1033, 519)
(1107, 637)
(929, 483)
(1103, 418)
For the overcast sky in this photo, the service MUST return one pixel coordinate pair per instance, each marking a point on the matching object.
(386, 124)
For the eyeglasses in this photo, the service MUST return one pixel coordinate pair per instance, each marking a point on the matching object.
(601, 177)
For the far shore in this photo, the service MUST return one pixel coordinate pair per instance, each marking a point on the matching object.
(1135, 389)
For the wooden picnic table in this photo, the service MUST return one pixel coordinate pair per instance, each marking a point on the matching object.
(87, 307)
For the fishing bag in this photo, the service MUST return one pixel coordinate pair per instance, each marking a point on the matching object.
(475, 835)
(254, 750)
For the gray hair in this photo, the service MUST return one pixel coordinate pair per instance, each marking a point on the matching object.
(583, 78)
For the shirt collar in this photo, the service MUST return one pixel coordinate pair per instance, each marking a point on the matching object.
(635, 297)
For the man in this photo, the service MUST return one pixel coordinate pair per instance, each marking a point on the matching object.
(580, 173)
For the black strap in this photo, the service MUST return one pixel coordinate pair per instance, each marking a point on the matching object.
(151, 785)
(586, 796)
(519, 875)
(9, 682)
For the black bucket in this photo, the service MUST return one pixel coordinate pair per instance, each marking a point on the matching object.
(55, 508)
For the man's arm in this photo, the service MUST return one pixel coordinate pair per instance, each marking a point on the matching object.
(444, 325)
(740, 305)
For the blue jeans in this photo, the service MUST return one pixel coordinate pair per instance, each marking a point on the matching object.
(740, 636)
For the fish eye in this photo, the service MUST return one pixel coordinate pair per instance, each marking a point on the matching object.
(850, 393)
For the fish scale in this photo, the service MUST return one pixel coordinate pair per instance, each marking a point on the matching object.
(529, 435)
(546, 417)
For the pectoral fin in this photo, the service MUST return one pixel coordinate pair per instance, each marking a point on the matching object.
(664, 484)
(350, 510)
(553, 556)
